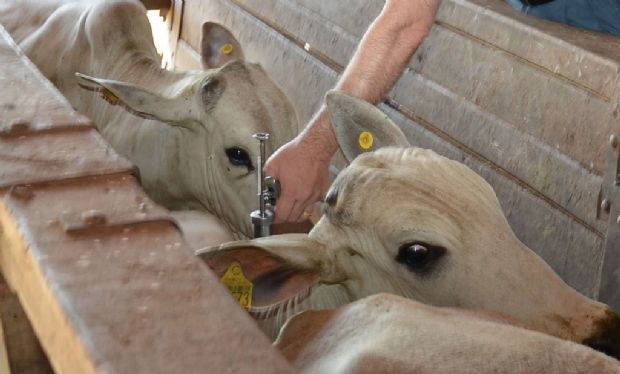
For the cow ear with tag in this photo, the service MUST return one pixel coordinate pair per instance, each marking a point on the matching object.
(135, 99)
(360, 126)
(218, 46)
(267, 274)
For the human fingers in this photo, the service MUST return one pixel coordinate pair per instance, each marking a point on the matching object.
(284, 206)
(297, 211)
(308, 205)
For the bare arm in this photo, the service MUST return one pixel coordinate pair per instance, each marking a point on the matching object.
(386, 47)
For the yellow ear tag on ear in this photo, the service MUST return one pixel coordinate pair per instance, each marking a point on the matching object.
(238, 284)
(365, 140)
(226, 49)
(108, 96)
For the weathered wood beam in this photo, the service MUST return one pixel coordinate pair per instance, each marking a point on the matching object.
(24, 353)
(157, 4)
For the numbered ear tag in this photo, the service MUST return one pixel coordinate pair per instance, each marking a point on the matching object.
(226, 49)
(365, 140)
(238, 284)
(108, 96)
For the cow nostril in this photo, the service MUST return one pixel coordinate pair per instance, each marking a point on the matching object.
(609, 341)
(604, 346)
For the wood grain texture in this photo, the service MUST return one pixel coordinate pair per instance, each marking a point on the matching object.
(24, 353)
(4, 357)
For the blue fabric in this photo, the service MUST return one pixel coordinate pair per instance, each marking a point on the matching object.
(596, 15)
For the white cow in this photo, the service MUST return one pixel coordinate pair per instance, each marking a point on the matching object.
(189, 133)
(410, 222)
(390, 334)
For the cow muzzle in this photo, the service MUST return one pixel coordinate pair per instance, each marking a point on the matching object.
(608, 341)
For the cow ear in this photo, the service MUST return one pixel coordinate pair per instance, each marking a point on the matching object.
(136, 100)
(218, 46)
(279, 269)
(360, 126)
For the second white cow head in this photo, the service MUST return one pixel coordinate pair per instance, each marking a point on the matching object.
(408, 221)
(204, 157)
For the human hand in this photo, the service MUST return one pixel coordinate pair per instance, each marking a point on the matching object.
(302, 167)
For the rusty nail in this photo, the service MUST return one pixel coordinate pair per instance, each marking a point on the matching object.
(93, 217)
(605, 205)
(613, 141)
(22, 192)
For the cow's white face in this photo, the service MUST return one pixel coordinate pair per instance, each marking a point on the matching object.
(407, 221)
(211, 115)
(410, 222)
(214, 114)
(231, 104)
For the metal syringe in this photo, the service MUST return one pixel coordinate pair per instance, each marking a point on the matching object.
(268, 191)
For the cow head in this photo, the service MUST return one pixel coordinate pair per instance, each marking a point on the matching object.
(410, 222)
(210, 161)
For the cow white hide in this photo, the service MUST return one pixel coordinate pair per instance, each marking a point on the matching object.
(189, 133)
(409, 222)
(389, 334)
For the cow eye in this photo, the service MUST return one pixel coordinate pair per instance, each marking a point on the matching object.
(239, 157)
(419, 256)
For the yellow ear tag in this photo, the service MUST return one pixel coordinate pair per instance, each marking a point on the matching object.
(365, 139)
(238, 284)
(109, 96)
(226, 49)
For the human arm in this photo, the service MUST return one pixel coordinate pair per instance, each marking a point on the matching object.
(302, 164)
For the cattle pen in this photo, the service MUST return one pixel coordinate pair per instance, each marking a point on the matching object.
(106, 281)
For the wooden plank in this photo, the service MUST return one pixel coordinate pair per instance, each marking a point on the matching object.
(173, 20)
(156, 4)
(572, 248)
(610, 277)
(4, 357)
(127, 299)
(24, 353)
(587, 58)
(186, 57)
(33, 158)
(44, 108)
(62, 344)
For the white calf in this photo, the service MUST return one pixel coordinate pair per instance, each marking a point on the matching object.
(409, 222)
(389, 334)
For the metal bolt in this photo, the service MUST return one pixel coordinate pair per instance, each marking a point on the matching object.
(613, 141)
(605, 205)
(618, 220)
(93, 217)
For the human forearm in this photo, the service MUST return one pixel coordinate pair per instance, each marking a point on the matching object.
(386, 48)
(381, 56)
